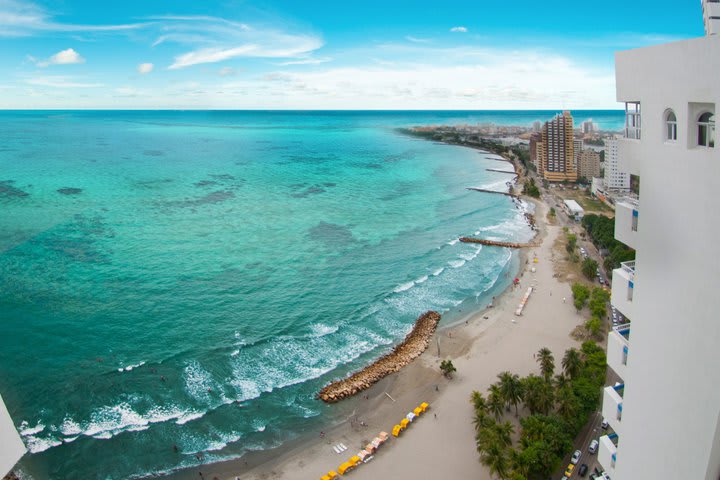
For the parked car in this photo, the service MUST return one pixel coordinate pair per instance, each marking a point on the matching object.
(576, 457)
(569, 470)
(593, 447)
(583, 470)
(604, 425)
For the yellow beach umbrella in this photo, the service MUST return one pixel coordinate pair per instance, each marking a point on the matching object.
(404, 422)
(424, 406)
(344, 468)
(417, 411)
(332, 474)
(354, 460)
(396, 430)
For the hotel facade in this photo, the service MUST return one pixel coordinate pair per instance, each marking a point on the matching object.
(556, 151)
(665, 412)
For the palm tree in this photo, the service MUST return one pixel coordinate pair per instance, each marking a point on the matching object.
(481, 421)
(571, 362)
(504, 432)
(547, 362)
(495, 402)
(511, 389)
(538, 394)
(519, 464)
(495, 458)
(567, 403)
(561, 381)
(478, 401)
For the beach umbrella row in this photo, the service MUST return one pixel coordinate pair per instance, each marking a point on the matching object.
(419, 410)
(362, 456)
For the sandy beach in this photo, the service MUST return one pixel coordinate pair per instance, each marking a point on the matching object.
(440, 443)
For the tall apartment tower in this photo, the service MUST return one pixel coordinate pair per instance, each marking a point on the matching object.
(665, 412)
(616, 179)
(11, 447)
(556, 151)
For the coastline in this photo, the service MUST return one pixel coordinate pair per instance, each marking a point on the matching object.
(362, 416)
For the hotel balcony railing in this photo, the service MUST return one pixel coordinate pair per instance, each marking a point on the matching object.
(618, 349)
(629, 267)
(607, 454)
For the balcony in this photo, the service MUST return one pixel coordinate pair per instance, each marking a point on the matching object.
(627, 213)
(607, 453)
(612, 406)
(623, 288)
(618, 348)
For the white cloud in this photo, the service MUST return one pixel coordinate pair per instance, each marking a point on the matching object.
(145, 68)
(410, 38)
(20, 19)
(63, 57)
(459, 29)
(58, 81)
(213, 39)
(306, 61)
(226, 71)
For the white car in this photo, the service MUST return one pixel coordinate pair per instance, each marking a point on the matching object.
(593, 447)
(575, 457)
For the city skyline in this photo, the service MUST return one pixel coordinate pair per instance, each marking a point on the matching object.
(256, 55)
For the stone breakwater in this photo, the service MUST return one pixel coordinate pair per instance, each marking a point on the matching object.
(496, 243)
(415, 343)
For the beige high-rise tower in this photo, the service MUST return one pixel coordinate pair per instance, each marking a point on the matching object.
(556, 152)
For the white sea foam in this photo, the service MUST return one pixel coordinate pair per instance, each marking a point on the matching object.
(25, 430)
(320, 330)
(438, 271)
(36, 445)
(403, 287)
(189, 417)
(456, 263)
(235, 353)
(421, 280)
(453, 241)
(70, 427)
(130, 367)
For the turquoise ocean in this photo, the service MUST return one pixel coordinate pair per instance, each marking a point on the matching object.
(194, 278)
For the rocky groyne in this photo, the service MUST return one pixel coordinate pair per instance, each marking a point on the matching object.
(508, 194)
(415, 343)
(496, 243)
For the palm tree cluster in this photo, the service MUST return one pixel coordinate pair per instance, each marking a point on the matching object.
(557, 407)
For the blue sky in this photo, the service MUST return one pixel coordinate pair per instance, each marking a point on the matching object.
(368, 54)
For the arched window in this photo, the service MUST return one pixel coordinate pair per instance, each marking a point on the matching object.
(670, 126)
(706, 130)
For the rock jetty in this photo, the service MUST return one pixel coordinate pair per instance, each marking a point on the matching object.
(415, 343)
(507, 194)
(496, 243)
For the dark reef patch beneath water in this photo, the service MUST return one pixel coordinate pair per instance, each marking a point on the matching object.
(69, 190)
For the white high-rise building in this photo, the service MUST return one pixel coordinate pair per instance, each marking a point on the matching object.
(11, 447)
(666, 410)
(615, 178)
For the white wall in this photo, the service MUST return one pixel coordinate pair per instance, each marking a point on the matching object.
(615, 346)
(624, 221)
(11, 447)
(672, 393)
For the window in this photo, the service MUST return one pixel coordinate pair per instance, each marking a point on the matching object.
(706, 130)
(634, 224)
(632, 120)
(670, 126)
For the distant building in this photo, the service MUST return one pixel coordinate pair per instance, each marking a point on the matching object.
(588, 164)
(577, 149)
(535, 139)
(616, 178)
(11, 447)
(588, 126)
(556, 151)
(574, 209)
(537, 126)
